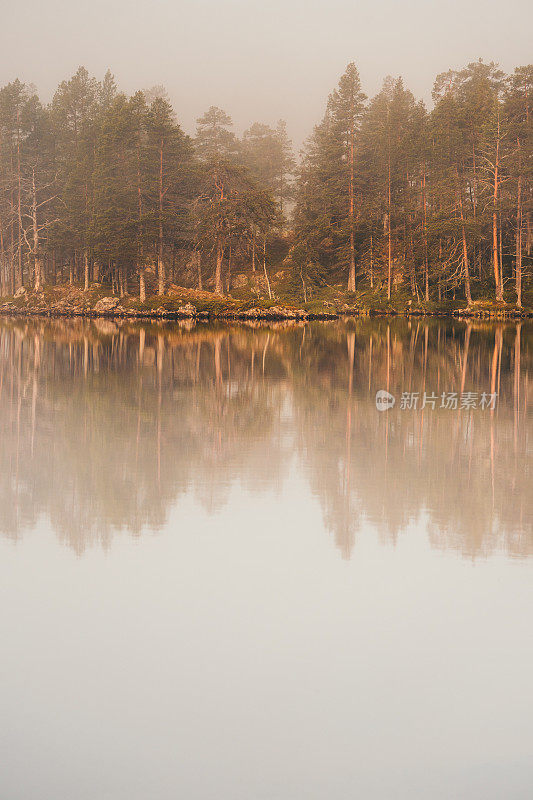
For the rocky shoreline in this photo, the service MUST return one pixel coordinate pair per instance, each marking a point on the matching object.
(78, 304)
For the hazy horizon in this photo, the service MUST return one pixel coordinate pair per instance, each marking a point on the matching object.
(258, 63)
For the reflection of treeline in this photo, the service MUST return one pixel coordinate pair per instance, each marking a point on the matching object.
(104, 429)
(470, 472)
(104, 426)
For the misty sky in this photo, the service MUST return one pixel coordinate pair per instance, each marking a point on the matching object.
(259, 61)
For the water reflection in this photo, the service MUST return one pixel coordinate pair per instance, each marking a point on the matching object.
(104, 426)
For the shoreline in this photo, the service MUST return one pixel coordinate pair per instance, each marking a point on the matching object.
(265, 315)
(187, 304)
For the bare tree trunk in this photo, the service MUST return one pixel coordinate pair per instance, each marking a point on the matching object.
(3, 274)
(86, 269)
(351, 276)
(20, 276)
(303, 284)
(37, 257)
(142, 281)
(230, 259)
(160, 264)
(371, 262)
(495, 259)
(389, 278)
(218, 270)
(265, 267)
(3, 260)
(198, 257)
(518, 254)
(426, 264)
(12, 249)
(466, 269)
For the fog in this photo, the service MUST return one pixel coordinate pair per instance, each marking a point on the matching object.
(259, 61)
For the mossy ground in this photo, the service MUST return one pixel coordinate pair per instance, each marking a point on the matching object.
(326, 300)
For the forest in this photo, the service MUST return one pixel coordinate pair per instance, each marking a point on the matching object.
(98, 188)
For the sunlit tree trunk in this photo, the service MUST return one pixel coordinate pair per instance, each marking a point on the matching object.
(495, 256)
(142, 281)
(20, 276)
(218, 268)
(160, 263)
(86, 269)
(426, 263)
(265, 268)
(351, 276)
(198, 258)
(518, 252)
(466, 268)
(389, 277)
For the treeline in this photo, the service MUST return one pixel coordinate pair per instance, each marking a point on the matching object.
(439, 202)
(99, 187)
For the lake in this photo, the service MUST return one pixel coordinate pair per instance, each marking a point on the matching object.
(226, 574)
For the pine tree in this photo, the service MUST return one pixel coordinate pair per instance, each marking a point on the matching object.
(74, 115)
(346, 106)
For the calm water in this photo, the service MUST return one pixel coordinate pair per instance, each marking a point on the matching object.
(225, 575)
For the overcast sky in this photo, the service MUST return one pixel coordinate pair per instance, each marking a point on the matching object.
(260, 61)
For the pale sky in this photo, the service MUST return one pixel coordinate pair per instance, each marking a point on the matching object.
(258, 61)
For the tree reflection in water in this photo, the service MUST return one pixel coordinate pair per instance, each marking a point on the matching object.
(104, 426)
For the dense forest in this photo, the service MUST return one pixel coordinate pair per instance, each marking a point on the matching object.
(98, 188)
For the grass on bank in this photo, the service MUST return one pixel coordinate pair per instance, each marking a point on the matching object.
(325, 300)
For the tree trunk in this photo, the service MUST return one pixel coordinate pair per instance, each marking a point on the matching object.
(426, 263)
(495, 258)
(160, 264)
(265, 268)
(86, 269)
(20, 276)
(518, 254)
(142, 281)
(12, 250)
(389, 278)
(199, 268)
(371, 262)
(230, 259)
(351, 276)
(37, 257)
(466, 268)
(218, 270)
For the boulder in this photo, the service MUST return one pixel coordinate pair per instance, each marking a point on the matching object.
(252, 313)
(106, 305)
(275, 312)
(188, 310)
(20, 292)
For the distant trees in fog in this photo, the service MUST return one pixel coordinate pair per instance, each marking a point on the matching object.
(99, 187)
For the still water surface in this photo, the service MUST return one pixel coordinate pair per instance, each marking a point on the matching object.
(225, 575)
